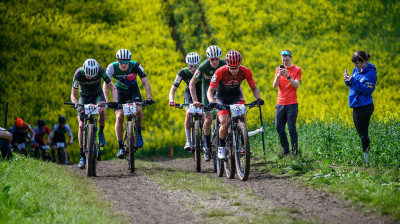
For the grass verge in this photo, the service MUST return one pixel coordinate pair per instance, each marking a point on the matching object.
(331, 159)
(33, 191)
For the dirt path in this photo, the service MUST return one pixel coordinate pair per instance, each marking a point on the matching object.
(136, 197)
(309, 203)
(143, 201)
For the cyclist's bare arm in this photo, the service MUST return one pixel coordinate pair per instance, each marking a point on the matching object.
(147, 87)
(210, 94)
(113, 91)
(192, 88)
(172, 95)
(32, 132)
(74, 93)
(256, 92)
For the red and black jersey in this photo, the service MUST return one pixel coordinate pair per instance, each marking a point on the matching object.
(228, 84)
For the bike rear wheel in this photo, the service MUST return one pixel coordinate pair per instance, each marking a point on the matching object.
(90, 155)
(130, 146)
(242, 158)
(197, 146)
(230, 157)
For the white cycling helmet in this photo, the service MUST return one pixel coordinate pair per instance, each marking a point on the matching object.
(91, 67)
(213, 51)
(124, 54)
(192, 58)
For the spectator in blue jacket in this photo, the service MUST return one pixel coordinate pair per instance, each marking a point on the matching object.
(362, 85)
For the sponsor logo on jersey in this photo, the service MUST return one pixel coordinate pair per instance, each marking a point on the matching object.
(131, 76)
(178, 79)
(90, 82)
(141, 68)
(214, 78)
(197, 74)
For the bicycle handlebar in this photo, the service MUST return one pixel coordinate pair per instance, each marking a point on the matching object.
(227, 106)
(180, 106)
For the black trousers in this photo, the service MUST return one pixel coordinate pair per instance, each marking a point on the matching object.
(287, 114)
(361, 118)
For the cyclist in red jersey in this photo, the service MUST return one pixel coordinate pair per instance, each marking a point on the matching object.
(19, 136)
(226, 82)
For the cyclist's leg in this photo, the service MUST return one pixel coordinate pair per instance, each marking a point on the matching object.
(136, 97)
(102, 118)
(65, 156)
(53, 152)
(119, 122)
(188, 100)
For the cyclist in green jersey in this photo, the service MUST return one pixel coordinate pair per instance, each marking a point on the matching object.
(88, 80)
(204, 73)
(125, 73)
(186, 74)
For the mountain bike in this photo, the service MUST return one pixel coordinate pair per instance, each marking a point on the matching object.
(237, 143)
(196, 130)
(131, 130)
(90, 147)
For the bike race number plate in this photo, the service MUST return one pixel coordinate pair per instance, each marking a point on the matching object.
(129, 108)
(238, 109)
(91, 109)
(60, 145)
(195, 110)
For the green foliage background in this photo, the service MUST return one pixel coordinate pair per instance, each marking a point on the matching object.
(42, 44)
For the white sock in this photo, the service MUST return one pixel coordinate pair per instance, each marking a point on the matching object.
(187, 135)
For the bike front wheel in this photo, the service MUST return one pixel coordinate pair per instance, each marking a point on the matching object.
(197, 145)
(91, 155)
(130, 146)
(242, 158)
(230, 157)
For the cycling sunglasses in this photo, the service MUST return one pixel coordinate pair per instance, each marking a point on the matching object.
(123, 62)
(234, 68)
(286, 53)
(193, 66)
(213, 59)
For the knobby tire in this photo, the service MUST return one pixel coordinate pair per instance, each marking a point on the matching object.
(197, 145)
(130, 146)
(242, 159)
(91, 155)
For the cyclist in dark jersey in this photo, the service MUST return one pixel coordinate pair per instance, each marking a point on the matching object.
(57, 138)
(88, 80)
(204, 73)
(20, 134)
(226, 81)
(125, 73)
(186, 74)
(40, 131)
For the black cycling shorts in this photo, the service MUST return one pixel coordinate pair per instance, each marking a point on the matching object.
(128, 95)
(91, 99)
(228, 100)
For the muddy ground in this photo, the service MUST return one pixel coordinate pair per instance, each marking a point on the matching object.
(143, 201)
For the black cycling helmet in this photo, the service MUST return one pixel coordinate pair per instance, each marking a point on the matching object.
(62, 120)
(41, 123)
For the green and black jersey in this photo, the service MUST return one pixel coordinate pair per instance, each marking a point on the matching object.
(89, 87)
(126, 79)
(204, 73)
(185, 75)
